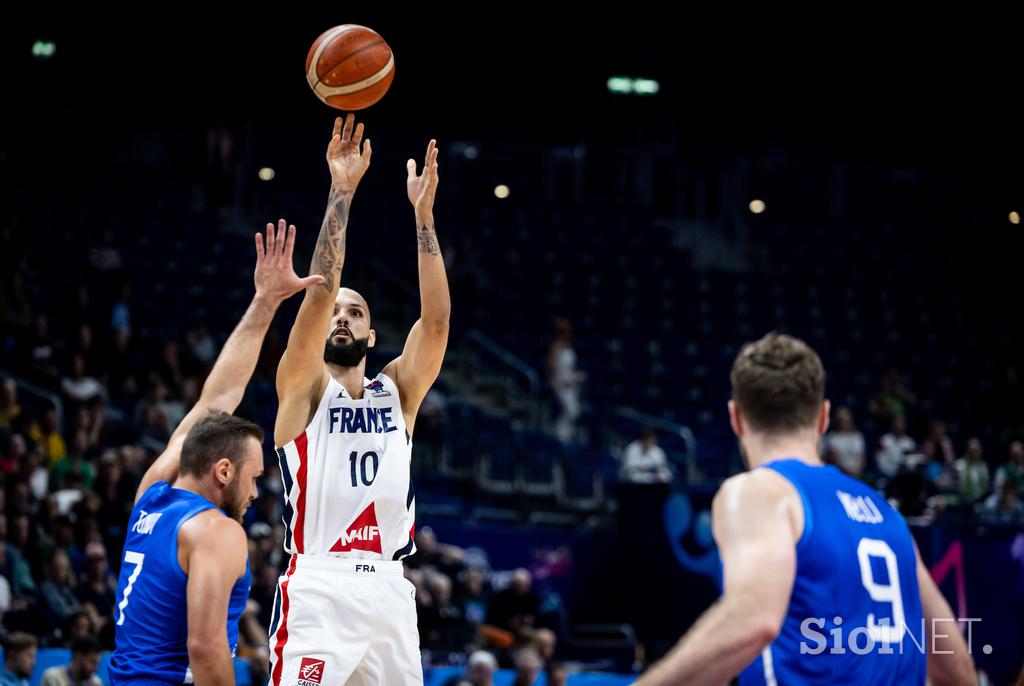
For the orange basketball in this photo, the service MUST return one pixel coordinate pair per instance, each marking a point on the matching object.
(350, 67)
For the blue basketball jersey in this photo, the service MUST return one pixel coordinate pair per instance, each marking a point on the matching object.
(151, 614)
(855, 612)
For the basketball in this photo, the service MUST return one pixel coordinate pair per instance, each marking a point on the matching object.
(350, 67)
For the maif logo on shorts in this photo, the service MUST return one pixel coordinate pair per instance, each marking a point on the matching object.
(311, 671)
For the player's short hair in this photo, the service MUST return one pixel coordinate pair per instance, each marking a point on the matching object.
(778, 384)
(214, 437)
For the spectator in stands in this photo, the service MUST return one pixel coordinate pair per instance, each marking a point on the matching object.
(252, 643)
(479, 670)
(264, 590)
(169, 373)
(79, 387)
(894, 447)
(24, 535)
(47, 434)
(171, 407)
(944, 446)
(515, 607)
(19, 659)
(893, 398)
(34, 473)
(440, 622)
(558, 674)
(941, 474)
(446, 558)
(6, 597)
(116, 491)
(10, 410)
(153, 428)
(121, 312)
(86, 345)
(81, 625)
(454, 633)
(12, 451)
(133, 462)
(844, 445)
(972, 472)
(644, 462)
(89, 419)
(472, 599)
(75, 464)
(565, 380)
(201, 345)
(1012, 470)
(85, 659)
(426, 617)
(528, 667)
(96, 590)
(1004, 505)
(62, 537)
(57, 600)
(910, 491)
(42, 352)
(546, 642)
(13, 565)
(104, 256)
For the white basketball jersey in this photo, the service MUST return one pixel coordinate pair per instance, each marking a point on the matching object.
(348, 488)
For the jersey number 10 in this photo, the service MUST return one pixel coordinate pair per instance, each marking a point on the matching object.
(366, 475)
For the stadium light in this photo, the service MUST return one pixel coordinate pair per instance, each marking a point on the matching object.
(620, 85)
(646, 86)
(44, 49)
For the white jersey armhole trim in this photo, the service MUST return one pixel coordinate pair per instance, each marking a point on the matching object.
(769, 668)
(324, 399)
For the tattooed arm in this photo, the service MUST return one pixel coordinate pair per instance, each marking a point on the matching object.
(418, 366)
(301, 374)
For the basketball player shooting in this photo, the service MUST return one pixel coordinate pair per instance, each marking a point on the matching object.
(345, 614)
(822, 581)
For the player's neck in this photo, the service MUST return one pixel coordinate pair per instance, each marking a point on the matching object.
(351, 378)
(198, 486)
(762, 448)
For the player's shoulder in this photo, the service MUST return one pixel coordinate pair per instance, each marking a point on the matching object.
(212, 528)
(756, 484)
(760, 497)
(754, 493)
(215, 538)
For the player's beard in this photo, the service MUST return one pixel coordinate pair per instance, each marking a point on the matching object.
(346, 354)
(234, 506)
